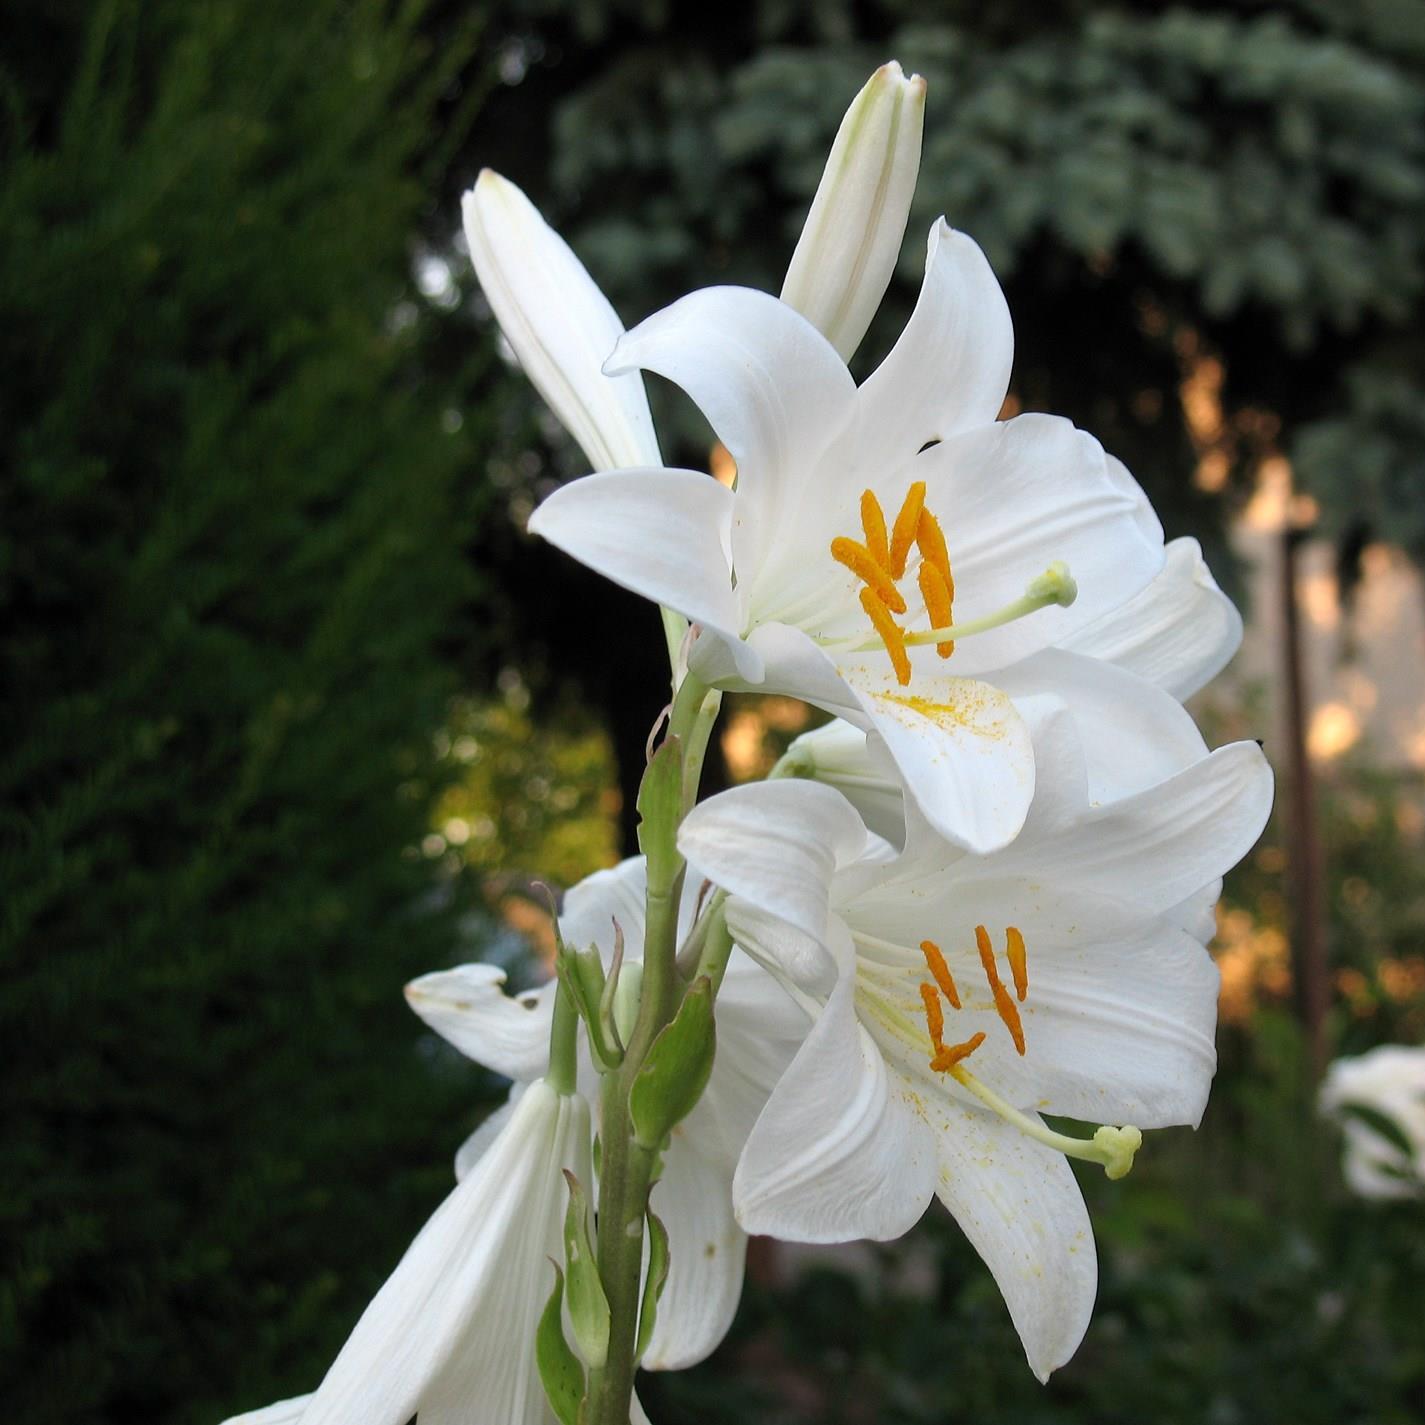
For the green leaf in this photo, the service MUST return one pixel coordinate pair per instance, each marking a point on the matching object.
(653, 1283)
(676, 1070)
(660, 805)
(559, 1367)
(588, 1306)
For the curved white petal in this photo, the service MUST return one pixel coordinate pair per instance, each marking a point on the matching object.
(838, 755)
(479, 1142)
(450, 1336)
(1133, 734)
(468, 1007)
(283, 1412)
(663, 534)
(1017, 496)
(559, 324)
(852, 235)
(950, 369)
(837, 1154)
(1159, 846)
(961, 746)
(1022, 1211)
(707, 1250)
(776, 844)
(1179, 632)
(770, 385)
(590, 908)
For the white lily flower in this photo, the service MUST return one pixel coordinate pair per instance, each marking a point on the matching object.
(1388, 1082)
(799, 576)
(958, 997)
(852, 236)
(450, 1336)
(759, 1030)
(560, 325)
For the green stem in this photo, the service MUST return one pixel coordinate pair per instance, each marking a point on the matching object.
(563, 1075)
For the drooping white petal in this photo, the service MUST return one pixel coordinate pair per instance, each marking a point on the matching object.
(1179, 632)
(560, 325)
(283, 1412)
(661, 533)
(950, 369)
(468, 1007)
(590, 908)
(838, 755)
(770, 385)
(1159, 846)
(707, 1251)
(852, 235)
(837, 1154)
(450, 1336)
(479, 1142)
(786, 872)
(1017, 496)
(1019, 1205)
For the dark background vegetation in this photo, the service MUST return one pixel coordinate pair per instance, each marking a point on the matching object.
(290, 702)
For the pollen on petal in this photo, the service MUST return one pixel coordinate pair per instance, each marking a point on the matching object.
(862, 563)
(937, 603)
(1018, 962)
(907, 523)
(936, 961)
(890, 632)
(947, 1058)
(873, 521)
(1006, 1008)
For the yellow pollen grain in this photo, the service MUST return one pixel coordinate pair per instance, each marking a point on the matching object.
(862, 563)
(890, 632)
(946, 1059)
(1006, 1007)
(873, 521)
(936, 961)
(931, 541)
(907, 523)
(934, 1017)
(1018, 962)
(937, 603)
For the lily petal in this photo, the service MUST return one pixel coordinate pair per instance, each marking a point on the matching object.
(852, 236)
(950, 369)
(770, 385)
(837, 1154)
(1019, 1205)
(468, 1007)
(586, 919)
(707, 1251)
(560, 325)
(663, 534)
(1179, 632)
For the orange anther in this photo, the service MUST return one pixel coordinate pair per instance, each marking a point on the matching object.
(1018, 962)
(937, 603)
(946, 1059)
(873, 521)
(907, 523)
(941, 971)
(1005, 1006)
(860, 561)
(931, 540)
(890, 632)
(934, 1017)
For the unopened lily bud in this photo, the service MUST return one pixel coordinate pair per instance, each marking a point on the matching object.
(561, 327)
(852, 237)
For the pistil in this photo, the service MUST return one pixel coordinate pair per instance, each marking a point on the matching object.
(1054, 586)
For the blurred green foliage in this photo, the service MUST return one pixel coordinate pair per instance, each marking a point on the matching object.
(232, 577)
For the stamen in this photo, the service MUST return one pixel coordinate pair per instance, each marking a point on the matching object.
(931, 541)
(934, 1019)
(937, 596)
(907, 523)
(1003, 1004)
(1018, 961)
(1111, 1147)
(945, 1059)
(873, 521)
(941, 971)
(862, 563)
(891, 634)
